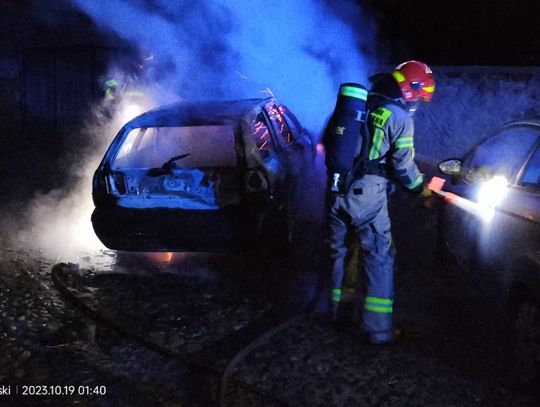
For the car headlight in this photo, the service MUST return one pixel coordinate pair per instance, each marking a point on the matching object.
(492, 192)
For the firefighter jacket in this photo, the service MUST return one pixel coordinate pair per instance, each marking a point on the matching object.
(391, 129)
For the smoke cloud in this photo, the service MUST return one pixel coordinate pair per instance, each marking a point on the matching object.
(300, 51)
(58, 222)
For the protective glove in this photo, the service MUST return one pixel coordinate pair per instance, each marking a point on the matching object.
(425, 193)
(427, 198)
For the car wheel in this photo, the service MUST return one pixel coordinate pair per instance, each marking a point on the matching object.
(526, 344)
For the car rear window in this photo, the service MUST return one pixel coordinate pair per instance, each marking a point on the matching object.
(151, 147)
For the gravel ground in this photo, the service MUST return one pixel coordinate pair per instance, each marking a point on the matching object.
(181, 313)
(43, 342)
(451, 354)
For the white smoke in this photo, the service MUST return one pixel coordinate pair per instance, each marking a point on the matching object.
(58, 222)
(301, 50)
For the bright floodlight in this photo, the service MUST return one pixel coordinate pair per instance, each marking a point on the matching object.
(491, 193)
(131, 111)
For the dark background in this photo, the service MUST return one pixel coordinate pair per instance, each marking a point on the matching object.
(459, 32)
(52, 59)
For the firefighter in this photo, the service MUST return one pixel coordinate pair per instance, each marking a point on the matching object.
(123, 93)
(363, 209)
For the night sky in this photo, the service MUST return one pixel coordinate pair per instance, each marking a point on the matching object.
(460, 32)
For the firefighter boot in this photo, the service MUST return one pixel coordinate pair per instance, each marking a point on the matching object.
(397, 334)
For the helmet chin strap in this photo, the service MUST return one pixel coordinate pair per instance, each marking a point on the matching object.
(412, 106)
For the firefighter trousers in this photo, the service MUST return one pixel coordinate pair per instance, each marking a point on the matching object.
(364, 210)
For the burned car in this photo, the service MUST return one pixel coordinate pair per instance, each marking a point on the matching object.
(202, 176)
(496, 236)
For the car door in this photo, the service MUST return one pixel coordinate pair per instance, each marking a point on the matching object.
(300, 136)
(288, 149)
(471, 238)
(269, 151)
(292, 139)
(519, 227)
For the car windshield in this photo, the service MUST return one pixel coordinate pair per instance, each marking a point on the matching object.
(199, 146)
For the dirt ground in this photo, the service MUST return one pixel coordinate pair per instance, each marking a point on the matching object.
(452, 354)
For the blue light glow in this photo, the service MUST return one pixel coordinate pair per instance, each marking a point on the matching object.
(301, 50)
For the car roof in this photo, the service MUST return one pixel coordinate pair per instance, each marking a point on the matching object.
(196, 112)
(529, 121)
(526, 121)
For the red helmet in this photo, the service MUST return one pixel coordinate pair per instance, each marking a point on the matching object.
(415, 80)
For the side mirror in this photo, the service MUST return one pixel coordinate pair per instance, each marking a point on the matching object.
(451, 166)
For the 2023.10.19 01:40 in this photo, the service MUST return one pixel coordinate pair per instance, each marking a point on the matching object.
(57, 390)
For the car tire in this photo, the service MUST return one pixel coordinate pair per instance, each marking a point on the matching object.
(526, 345)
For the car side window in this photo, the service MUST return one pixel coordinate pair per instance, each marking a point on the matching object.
(531, 176)
(277, 118)
(505, 152)
(292, 122)
(263, 138)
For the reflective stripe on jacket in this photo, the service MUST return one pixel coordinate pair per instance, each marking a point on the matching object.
(392, 132)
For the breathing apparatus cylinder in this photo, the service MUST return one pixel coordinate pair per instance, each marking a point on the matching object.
(342, 135)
